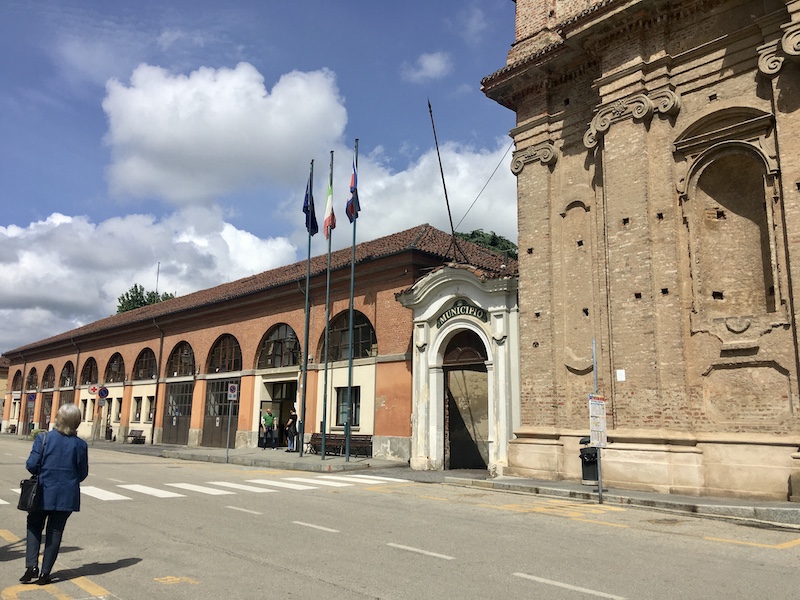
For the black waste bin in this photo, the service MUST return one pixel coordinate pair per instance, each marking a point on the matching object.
(109, 432)
(588, 463)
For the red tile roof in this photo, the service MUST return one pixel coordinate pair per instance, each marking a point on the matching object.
(424, 239)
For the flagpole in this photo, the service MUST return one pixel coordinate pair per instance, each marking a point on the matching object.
(329, 233)
(305, 334)
(352, 289)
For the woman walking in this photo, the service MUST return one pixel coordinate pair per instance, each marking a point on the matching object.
(64, 464)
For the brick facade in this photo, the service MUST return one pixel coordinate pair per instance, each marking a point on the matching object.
(657, 160)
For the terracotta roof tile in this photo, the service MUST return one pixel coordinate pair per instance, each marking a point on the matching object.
(423, 238)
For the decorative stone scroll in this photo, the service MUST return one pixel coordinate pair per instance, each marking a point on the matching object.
(545, 153)
(772, 55)
(638, 107)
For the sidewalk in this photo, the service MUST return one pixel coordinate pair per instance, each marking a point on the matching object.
(759, 513)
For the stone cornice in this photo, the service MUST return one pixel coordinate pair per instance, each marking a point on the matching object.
(544, 153)
(772, 54)
(638, 107)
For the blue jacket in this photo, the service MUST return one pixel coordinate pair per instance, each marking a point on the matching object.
(65, 465)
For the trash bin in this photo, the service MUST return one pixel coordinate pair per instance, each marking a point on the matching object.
(109, 432)
(588, 463)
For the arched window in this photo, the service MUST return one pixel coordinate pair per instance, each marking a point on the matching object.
(49, 378)
(115, 369)
(145, 367)
(226, 355)
(67, 375)
(364, 341)
(466, 348)
(16, 385)
(280, 348)
(89, 374)
(32, 382)
(181, 361)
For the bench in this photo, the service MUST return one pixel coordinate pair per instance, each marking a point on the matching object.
(136, 436)
(335, 444)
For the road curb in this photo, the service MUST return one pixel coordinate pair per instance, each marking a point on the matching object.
(785, 518)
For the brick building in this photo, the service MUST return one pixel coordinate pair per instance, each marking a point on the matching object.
(658, 172)
(166, 369)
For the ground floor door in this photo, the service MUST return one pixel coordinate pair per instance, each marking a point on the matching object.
(466, 409)
(222, 415)
(177, 413)
(47, 410)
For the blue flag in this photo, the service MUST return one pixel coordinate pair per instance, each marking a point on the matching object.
(353, 206)
(308, 209)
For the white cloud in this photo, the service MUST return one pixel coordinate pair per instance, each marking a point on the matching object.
(394, 201)
(192, 139)
(86, 266)
(470, 24)
(428, 66)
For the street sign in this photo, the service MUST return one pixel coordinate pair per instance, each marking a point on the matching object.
(103, 393)
(101, 402)
(31, 397)
(597, 420)
(94, 388)
(233, 392)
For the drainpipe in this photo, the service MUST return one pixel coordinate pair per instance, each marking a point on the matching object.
(158, 376)
(23, 397)
(77, 362)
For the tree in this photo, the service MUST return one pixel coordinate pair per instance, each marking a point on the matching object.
(136, 297)
(492, 241)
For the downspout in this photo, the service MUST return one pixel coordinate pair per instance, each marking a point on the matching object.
(158, 377)
(77, 362)
(22, 391)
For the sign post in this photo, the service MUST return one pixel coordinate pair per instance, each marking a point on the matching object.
(598, 439)
(233, 394)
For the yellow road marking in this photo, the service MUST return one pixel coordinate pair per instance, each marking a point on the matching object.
(8, 536)
(782, 546)
(12, 593)
(171, 580)
(601, 523)
(90, 587)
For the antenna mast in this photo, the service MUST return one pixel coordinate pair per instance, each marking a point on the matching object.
(454, 241)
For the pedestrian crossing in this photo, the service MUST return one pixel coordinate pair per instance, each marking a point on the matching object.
(225, 488)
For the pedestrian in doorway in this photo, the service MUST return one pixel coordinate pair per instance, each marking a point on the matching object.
(64, 464)
(291, 431)
(269, 430)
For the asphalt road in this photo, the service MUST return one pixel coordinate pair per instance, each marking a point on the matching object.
(158, 528)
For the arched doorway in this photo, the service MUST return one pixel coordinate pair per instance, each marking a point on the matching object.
(466, 410)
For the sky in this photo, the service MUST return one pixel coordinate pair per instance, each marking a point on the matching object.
(168, 143)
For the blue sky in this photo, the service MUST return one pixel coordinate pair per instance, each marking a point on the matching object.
(175, 137)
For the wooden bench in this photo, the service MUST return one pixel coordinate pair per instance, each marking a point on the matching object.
(335, 444)
(136, 436)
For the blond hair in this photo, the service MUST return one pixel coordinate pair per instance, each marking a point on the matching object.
(68, 418)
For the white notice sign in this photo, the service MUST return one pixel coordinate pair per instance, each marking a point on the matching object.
(597, 420)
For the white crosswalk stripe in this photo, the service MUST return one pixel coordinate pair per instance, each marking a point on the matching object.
(241, 486)
(101, 494)
(200, 488)
(319, 481)
(150, 491)
(379, 478)
(262, 486)
(282, 484)
(349, 478)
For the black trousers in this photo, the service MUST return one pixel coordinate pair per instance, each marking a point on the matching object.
(53, 523)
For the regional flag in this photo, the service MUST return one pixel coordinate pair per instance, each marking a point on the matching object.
(353, 206)
(330, 219)
(308, 209)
